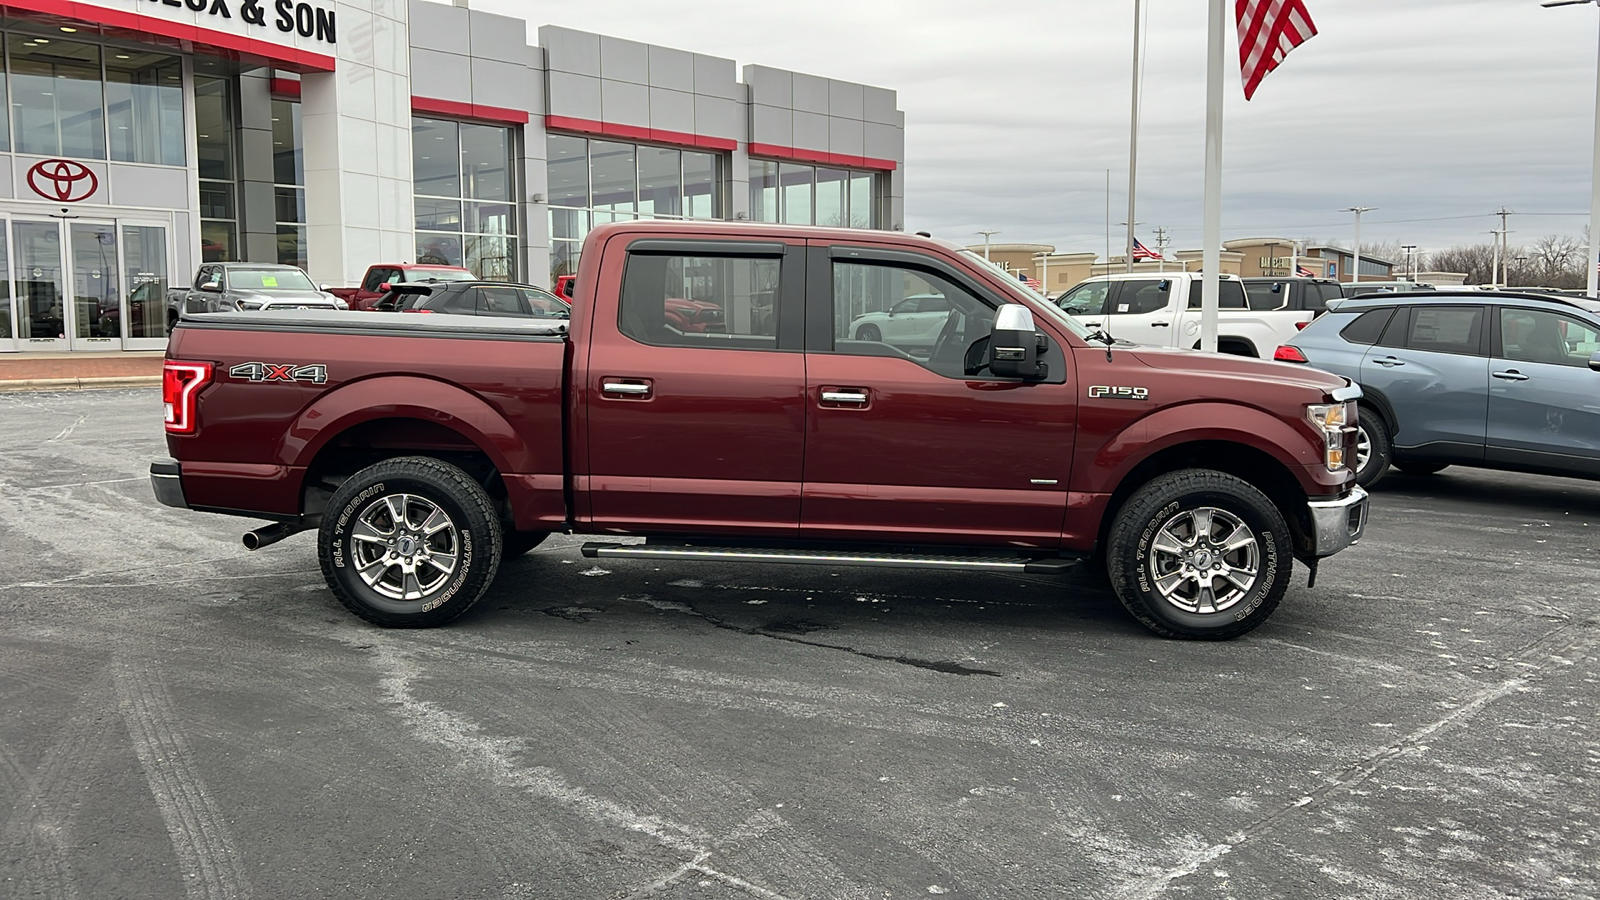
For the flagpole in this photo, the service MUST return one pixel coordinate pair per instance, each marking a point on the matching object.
(1133, 137)
(1211, 254)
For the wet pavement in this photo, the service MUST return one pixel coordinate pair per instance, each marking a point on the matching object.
(180, 717)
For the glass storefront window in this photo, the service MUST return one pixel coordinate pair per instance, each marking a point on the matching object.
(861, 201)
(213, 122)
(144, 107)
(288, 162)
(613, 169)
(218, 241)
(41, 312)
(435, 157)
(700, 181)
(438, 215)
(796, 190)
(144, 257)
(439, 250)
(6, 331)
(763, 190)
(485, 156)
(490, 257)
(831, 198)
(798, 194)
(56, 98)
(568, 171)
(292, 245)
(660, 182)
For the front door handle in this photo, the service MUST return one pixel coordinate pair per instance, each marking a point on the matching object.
(1159, 324)
(1389, 362)
(638, 388)
(1510, 375)
(845, 397)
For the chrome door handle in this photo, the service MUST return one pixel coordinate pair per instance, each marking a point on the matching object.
(856, 397)
(1510, 375)
(1389, 362)
(619, 387)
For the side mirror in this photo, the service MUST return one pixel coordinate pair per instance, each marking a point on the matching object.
(211, 287)
(1594, 361)
(382, 287)
(1014, 344)
(324, 288)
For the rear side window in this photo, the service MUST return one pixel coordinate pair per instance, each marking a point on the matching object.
(1318, 295)
(1138, 297)
(1268, 294)
(724, 302)
(1367, 327)
(1230, 296)
(456, 301)
(1446, 329)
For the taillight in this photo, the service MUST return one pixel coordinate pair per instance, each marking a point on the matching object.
(1286, 353)
(1301, 326)
(180, 385)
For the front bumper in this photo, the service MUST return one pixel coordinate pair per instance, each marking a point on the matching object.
(166, 479)
(1336, 524)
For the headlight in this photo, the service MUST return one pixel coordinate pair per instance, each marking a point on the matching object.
(1336, 421)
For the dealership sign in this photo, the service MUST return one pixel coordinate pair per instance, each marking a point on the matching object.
(281, 16)
(63, 180)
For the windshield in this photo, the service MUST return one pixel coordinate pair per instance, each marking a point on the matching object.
(1016, 289)
(439, 275)
(286, 279)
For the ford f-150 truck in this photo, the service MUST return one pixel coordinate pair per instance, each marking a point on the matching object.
(424, 449)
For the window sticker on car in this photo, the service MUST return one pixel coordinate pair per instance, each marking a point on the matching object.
(1122, 307)
(269, 281)
(258, 372)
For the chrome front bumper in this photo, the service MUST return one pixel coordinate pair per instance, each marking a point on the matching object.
(167, 481)
(1336, 524)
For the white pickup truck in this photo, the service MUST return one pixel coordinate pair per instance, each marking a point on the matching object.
(1163, 309)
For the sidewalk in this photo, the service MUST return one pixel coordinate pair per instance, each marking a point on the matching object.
(79, 371)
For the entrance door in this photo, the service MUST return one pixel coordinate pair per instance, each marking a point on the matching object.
(94, 306)
(143, 309)
(39, 284)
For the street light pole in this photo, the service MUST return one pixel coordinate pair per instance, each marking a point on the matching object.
(986, 241)
(1355, 268)
(1594, 168)
(1133, 138)
(1411, 269)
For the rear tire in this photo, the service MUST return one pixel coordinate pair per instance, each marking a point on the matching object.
(1199, 554)
(1373, 449)
(410, 542)
(868, 333)
(1421, 468)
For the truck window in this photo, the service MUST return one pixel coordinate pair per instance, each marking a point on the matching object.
(1139, 297)
(1087, 299)
(1324, 293)
(1230, 295)
(701, 301)
(1270, 294)
(375, 277)
(905, 312)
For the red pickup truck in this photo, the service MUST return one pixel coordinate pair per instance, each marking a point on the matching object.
(378, 278)
(423, 449)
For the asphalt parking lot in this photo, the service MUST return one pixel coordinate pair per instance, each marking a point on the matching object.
(179, 717)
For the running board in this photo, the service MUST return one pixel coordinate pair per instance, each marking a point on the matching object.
(1034, 566)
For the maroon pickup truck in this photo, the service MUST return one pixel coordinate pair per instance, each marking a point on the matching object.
(972, 427)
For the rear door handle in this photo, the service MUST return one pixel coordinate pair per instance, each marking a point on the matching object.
(1510, 375)
(1159, 324)
(1389, 362)
(845, 396)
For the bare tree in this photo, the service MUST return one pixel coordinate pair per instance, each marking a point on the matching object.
(1476, 261)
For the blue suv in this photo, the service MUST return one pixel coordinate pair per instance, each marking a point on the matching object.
(1497, 380)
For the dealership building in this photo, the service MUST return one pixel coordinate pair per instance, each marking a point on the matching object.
(145, 137)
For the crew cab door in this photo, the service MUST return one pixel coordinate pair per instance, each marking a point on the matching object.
(903, 443)
(694, 431)
(1431, 364)
(1144, 311)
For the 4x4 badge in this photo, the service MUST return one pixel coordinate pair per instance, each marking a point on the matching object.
(1118, 393)
(259, 372)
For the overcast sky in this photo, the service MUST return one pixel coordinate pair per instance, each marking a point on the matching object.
(1437, 112)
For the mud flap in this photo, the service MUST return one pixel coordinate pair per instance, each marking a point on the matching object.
(1311, 580)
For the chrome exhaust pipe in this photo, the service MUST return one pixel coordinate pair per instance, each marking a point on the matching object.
(269, 534)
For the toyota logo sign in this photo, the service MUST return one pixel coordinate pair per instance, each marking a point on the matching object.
(62, 180)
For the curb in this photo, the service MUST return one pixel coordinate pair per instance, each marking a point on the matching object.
(78, 384)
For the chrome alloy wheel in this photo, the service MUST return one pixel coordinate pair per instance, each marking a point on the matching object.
(1363, 448)
(405, 547)
(1204, 560)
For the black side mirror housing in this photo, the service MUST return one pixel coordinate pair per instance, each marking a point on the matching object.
(1014, 344)
(1594, 361)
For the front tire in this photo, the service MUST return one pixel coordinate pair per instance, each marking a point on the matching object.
(1199, 554)
(410, 542)
(1373, 449)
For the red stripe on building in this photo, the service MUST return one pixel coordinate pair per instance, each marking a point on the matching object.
(178, 35)
(845, 160)
(638, 133)
(285, 87)
(458, 110)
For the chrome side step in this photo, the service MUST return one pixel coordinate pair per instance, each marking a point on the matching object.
(1037, 566)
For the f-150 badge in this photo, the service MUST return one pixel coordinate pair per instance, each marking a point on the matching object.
(259, 372)
(1118, 393)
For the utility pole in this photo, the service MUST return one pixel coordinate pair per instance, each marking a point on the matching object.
(986, 241)
(1504, 251)
(1128, 267)
(1411, 272)
(1494, 272)
(1594, 173)
(1355, 267)
(1161, 248)
(1133, 137)
(1521, 260)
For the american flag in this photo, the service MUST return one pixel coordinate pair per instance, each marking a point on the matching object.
(1304, 272)
(1268, 30)
(1029, 281)
(1140, 251)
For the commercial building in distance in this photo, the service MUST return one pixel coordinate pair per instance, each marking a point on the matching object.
(147, 136)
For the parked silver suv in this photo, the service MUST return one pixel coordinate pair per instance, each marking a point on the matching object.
(1500, 380)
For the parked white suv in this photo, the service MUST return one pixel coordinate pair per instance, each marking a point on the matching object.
(1164, 310)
